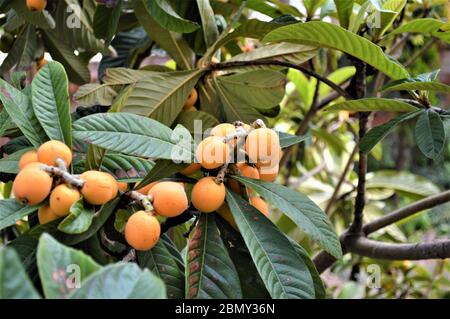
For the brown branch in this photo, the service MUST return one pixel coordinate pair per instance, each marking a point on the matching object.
(420, 52)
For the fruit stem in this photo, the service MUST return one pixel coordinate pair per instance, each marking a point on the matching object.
(259, 123)
(240, 132)
(62, 172)
(144, 200)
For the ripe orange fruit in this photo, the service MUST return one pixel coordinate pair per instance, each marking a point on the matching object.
(98, 188)
(169, 198)
(207, 196)
(269, 173)
(52, 150)
(46, 215)
(123, 186)
(262, 145)
(191, 169)
(142, 231)
(223, 130)
(260, 205)
(248, 171)
(32, 185)
(212, 152)
(27, 158)
(62, 198)
(36, 5)
(234, 185)
(144, 190)
(192, 98)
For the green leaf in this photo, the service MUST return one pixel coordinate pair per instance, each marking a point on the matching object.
(422, 82)
(126, 168)
(344, 9)
(95, 94)
(79, 220)
(287, 139)
(312, 6)
(171, 42)
(106, 21)
(187, 119)
(10, 164)
(327, 35)
(160, 261)
(14, 282)
(301, 210)
(121, 281)
(404, 182)
(427, 26)
(75, 66)
(19, 108)
(210, 273)
(372, 104)
(41, 19)
(51, 103)
(377, 134)
(161, 95)
(98, 221)
(430, 134)
(22, 53)
(319, 288)
(11, 211)
(272, 253)
(339, 76)
(165, 15)
(283, 51)
(118, 132)
(209, 26)
(386, 15)
(5, 122)
(257, 89)
(162, 169)
(60, 267)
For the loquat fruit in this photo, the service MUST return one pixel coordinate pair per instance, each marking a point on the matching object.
(123, 186)
(207, 195)
(212, 152)
(36, 5)
(259, 204)
(142, 231)
(46, 215)
(262, 144)
(98, 187)
(50, 151)
(169, 198)
(248, 171)
(191, 169)
(223, 130)
(269, 173)
(192, 98)
(62, 198)
(32, 185)
(144, 190)
(27, 158)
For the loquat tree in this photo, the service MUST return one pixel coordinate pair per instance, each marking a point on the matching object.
(166, 142)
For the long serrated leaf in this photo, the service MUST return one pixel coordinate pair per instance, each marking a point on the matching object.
(301, 210)
(126, 168)
(165, 15)
(344, 9)
(430, 134)
(11, 211)
(282, 270)
(328, 35)
(210, 273)
(79, 220)
(209, 26)
(428, 26)
(372, 104)
(375, 135)
(51, 103)
(106, 20)
(19, 108)
(419, 86)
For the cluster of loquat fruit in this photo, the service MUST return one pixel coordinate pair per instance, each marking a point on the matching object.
(44, 172)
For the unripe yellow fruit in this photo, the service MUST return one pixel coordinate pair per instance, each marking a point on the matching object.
(62, 198)
(32, 185)
(52, 150)
(192, 98)
(207, 195)
(46, 215)
(269, 173)
(169, 198)
(260, 205)
(142, 231)
(98, 188)
(36, 5)
(27, 158)
(191, 169)
(262, 145)
(212, 152)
